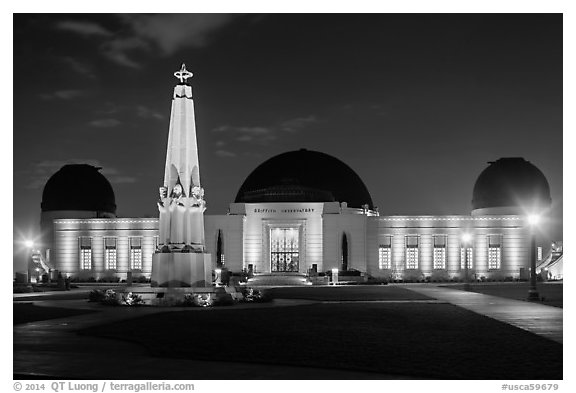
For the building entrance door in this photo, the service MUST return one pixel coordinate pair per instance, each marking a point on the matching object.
(284, 249)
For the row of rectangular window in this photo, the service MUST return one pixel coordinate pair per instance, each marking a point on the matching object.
(110, 253)
(439, 257)
(438, 240)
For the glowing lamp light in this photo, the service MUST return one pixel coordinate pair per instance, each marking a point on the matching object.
(466, 237)
(218, 277)
(533, 219)
(29, 243)
(334, 276)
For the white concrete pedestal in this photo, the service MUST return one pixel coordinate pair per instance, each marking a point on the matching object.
(177, 270)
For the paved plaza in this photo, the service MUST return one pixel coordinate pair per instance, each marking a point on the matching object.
(52, 348)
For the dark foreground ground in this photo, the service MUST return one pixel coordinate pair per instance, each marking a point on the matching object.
(550, 292)
(28, 312)
(404, 334)
(347, 293)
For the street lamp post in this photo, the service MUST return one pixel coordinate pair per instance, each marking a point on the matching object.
(29, 245)
(533, 291)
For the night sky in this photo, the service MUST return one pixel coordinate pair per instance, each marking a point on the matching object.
(415, 104)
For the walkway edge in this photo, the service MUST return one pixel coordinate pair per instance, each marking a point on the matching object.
(539, 319)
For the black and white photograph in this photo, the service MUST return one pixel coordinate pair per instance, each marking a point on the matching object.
(287, 196)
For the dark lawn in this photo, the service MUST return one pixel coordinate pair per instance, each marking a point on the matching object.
(28, 312)
(552, 292)
(347, 293)
(432, 341)
(56, 295)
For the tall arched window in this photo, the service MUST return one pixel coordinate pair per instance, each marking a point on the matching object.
(220, 258)
(344, 254)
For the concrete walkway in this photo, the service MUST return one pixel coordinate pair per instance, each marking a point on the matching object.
(545, 321)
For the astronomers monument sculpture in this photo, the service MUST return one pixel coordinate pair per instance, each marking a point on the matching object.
(181, 260)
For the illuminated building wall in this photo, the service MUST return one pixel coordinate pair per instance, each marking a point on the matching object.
(66, 252)
(260, 218)
(515, 250)
(514, 244)
(246, 232)
(340, 220)
(231, 227)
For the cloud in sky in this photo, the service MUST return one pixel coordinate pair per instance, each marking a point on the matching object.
(244, 130)
(163, 33)
(170, 32)
(105, 123)
(115, 176)
(263, 135)
(117, 50)
(147, 113)
(63, 95)
(109, 113)
(224, 153)
(40, 172)
(298, 123)
(84, 28)
(78, 66)
(260, 135)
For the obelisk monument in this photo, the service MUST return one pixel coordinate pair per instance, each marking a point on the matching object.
(181, 260)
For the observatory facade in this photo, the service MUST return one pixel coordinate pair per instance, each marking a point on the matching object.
(302, 212)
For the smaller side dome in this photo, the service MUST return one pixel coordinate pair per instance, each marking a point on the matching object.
(513, 183)
(78, 187)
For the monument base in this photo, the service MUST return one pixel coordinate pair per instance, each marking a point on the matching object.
(171, 296)
(180, 270)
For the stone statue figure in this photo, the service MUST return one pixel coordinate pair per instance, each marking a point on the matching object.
(164, 219)
(196, 209)
(181, 217)
(177, 209)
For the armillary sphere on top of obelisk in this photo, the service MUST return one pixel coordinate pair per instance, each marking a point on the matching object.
(183, 74)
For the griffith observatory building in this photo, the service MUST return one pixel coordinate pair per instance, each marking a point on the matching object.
(299, 212)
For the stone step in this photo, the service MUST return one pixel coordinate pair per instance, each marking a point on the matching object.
(275, 279)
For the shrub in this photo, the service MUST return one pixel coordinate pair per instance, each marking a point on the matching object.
(22, 289)
(439, 275)
(413, 275)
(377, 281)
(131, 299)
(256, 295)
(110, 279)
(197, 300)
(110, 298)
(141, 280)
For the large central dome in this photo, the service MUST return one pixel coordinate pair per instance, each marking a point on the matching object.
(304, 176)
